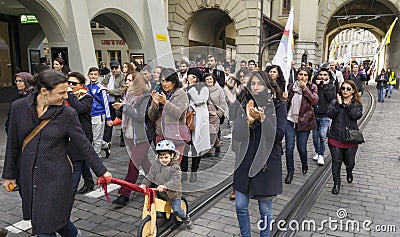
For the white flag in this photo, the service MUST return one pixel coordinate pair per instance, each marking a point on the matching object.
(347, 55)
(284, 54)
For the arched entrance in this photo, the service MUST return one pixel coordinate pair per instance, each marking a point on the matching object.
(116, 37)
(211, 27)
(372, 15)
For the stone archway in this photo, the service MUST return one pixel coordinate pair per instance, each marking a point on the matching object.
(325, 26)
(244, 15)
(117, 20)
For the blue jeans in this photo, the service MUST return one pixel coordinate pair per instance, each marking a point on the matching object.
(390, 89)
(176, 206)
(242, 213)
(69, 230)
(291, 134)
(319, 135)
(381, 94)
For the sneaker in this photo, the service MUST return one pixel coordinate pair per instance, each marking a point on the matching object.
(315, 157)
(320, 160)
(121, 201)
(187, 222)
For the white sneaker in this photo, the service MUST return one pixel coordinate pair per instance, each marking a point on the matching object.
(315, 157)
(320, 160)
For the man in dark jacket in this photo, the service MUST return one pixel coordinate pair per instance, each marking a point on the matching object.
(212, 68)
(357, 77)
(326, 93)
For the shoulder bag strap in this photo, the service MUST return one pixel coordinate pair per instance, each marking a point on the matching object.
(34, 132)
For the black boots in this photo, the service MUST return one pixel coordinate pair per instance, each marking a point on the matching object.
(85, 188)
(349, 176)
(121, 201)
(289, 178)
(304, 169)
(217, 151)
(336, 189)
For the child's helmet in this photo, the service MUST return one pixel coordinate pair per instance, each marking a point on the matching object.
(165, 145)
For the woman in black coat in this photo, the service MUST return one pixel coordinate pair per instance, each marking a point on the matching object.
(344, 112)
(259, 131)
(81, 101)
(45, 172)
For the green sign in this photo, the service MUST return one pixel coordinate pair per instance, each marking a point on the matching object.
(29, 19)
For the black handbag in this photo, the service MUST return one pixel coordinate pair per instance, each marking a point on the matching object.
(354, 136)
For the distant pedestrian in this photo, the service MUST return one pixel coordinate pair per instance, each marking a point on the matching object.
(357, 78)
(381, 85)
(392, 82)
(344, 111)
(60, 65)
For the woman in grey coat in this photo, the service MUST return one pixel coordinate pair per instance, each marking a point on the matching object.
(45, 171)
(217, 108)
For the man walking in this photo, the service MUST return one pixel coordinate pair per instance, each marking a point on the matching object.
(114, 82)
(326, 93)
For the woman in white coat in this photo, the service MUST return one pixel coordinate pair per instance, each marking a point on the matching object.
(198, 95)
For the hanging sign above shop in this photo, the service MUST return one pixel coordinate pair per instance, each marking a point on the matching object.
(28, 19)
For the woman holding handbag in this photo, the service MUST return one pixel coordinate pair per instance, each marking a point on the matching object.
(344, 112)
(37, 147)
(198, 95)
(168, 111)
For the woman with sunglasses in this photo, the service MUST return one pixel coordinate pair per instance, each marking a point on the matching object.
(81, 101)
(303, 95)
(344, 112)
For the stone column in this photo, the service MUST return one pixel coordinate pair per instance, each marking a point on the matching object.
(79, 38)
(157, 45)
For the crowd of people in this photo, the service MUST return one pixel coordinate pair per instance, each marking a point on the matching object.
(155, 106)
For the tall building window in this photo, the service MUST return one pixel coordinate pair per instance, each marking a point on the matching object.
(285, 7)
(114, 55)
(99, 57)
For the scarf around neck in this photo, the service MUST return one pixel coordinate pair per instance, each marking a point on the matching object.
(294, 110)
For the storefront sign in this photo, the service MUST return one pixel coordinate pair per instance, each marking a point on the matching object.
(161, 37)
(28, 19)
(113, 42)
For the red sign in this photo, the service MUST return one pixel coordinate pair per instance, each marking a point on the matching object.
(113, 42)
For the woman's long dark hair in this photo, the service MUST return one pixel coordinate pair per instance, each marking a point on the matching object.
(281, 79)
(65, 69)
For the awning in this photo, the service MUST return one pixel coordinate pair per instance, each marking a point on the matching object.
(274, 30)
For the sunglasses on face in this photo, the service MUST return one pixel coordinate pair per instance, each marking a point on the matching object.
(346, 88)
(114, 68)
(74, 83)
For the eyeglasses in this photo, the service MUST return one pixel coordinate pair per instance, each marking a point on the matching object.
(19, 81)
(74, 83)
(346, 88)
(114, 68)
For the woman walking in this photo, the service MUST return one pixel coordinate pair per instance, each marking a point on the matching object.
(138, 131)
(259, 130)
(198, 95)
(303, 95)
(381, 85)
(45, 171)
(344, 112)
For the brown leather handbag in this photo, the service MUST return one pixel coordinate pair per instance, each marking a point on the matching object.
(190, 120)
